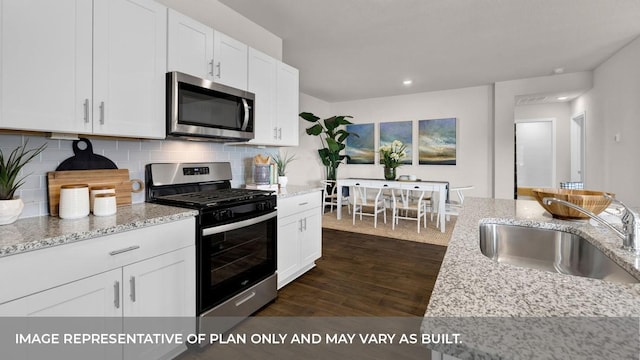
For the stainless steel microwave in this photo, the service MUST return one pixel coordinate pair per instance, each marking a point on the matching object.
(201, 109)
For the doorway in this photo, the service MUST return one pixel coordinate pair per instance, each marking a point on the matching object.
(578, 140)
(535, 160)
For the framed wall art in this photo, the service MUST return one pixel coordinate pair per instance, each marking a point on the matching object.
(437, 141)
(360, 149)
(398, 130)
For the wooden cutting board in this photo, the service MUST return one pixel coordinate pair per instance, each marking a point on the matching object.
(115, 177)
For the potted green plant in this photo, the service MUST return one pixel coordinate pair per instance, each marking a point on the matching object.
(10, 180)
(333, 138)
(281, 162)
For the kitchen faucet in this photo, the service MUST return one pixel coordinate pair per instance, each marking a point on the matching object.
(630, 222)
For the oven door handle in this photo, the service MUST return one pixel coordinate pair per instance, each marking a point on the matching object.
(238, 225)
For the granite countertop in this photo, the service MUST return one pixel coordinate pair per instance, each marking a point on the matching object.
(295, 190)
(46, 231)
(471, 285)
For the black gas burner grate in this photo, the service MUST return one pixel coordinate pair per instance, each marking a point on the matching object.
(215, 197)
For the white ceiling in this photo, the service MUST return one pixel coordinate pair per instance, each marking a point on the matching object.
(355, 49)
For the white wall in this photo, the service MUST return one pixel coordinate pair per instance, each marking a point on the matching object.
(504, 108)
(613, 107)
(562, 113)
(222, 18)
(307, 169)
(471, 106)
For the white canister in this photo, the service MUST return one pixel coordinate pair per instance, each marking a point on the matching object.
(102, 189)
(74, 201)
(104, 204)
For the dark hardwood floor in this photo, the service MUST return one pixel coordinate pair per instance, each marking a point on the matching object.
(358, 275)
(362, 275)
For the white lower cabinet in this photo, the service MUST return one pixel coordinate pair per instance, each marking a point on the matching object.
(145, 278)
(160, 287)
(93, 296)
(299, 235)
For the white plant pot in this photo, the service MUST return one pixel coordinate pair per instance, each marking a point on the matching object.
(282, 180)
(10, 210)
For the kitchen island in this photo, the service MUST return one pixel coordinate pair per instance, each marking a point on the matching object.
(471, 286)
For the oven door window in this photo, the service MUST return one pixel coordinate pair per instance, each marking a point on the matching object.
(236, 259)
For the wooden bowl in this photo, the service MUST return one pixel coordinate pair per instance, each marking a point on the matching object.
(593, 201)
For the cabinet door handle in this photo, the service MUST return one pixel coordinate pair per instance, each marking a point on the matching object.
(132, 288)
(219, 70)
(303, 203)
(305, 224)
(116, 294)
(120, 251)
(300, 225)
(211, 63)
(102, 113)
(275, 133)
(279, 133)
(86, 110)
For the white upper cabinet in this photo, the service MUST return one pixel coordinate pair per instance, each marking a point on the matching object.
(130, 46)
(190, 46)
(288, 102)
(230, 61)
(85, 67)
(197, 49)
(275, 85)
(45, 65)
(262, 82)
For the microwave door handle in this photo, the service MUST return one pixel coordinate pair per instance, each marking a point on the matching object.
(246, 115)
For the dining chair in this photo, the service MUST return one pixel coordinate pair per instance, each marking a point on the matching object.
(330, 196)
(361, 202)
(410, 204)
(453, 207)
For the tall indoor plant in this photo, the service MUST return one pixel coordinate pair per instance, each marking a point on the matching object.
(333, 138)
(10, 180)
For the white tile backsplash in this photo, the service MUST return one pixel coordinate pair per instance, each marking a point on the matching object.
(127, 154)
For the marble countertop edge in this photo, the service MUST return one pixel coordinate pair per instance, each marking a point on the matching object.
(47, 231)
(472, 286)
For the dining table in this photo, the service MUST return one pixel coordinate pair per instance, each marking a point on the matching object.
(440, 188)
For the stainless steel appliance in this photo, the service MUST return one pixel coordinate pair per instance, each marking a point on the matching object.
(236, 235)
(201, 109)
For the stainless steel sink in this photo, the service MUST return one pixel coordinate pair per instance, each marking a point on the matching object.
(549, 250)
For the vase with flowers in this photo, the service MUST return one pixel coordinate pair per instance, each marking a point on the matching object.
(391, 156)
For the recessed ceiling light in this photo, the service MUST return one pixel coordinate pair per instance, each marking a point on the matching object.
(558, 70)
(561, 98)
(407, 82)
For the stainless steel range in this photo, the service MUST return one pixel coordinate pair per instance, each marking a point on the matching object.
(236, 235)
